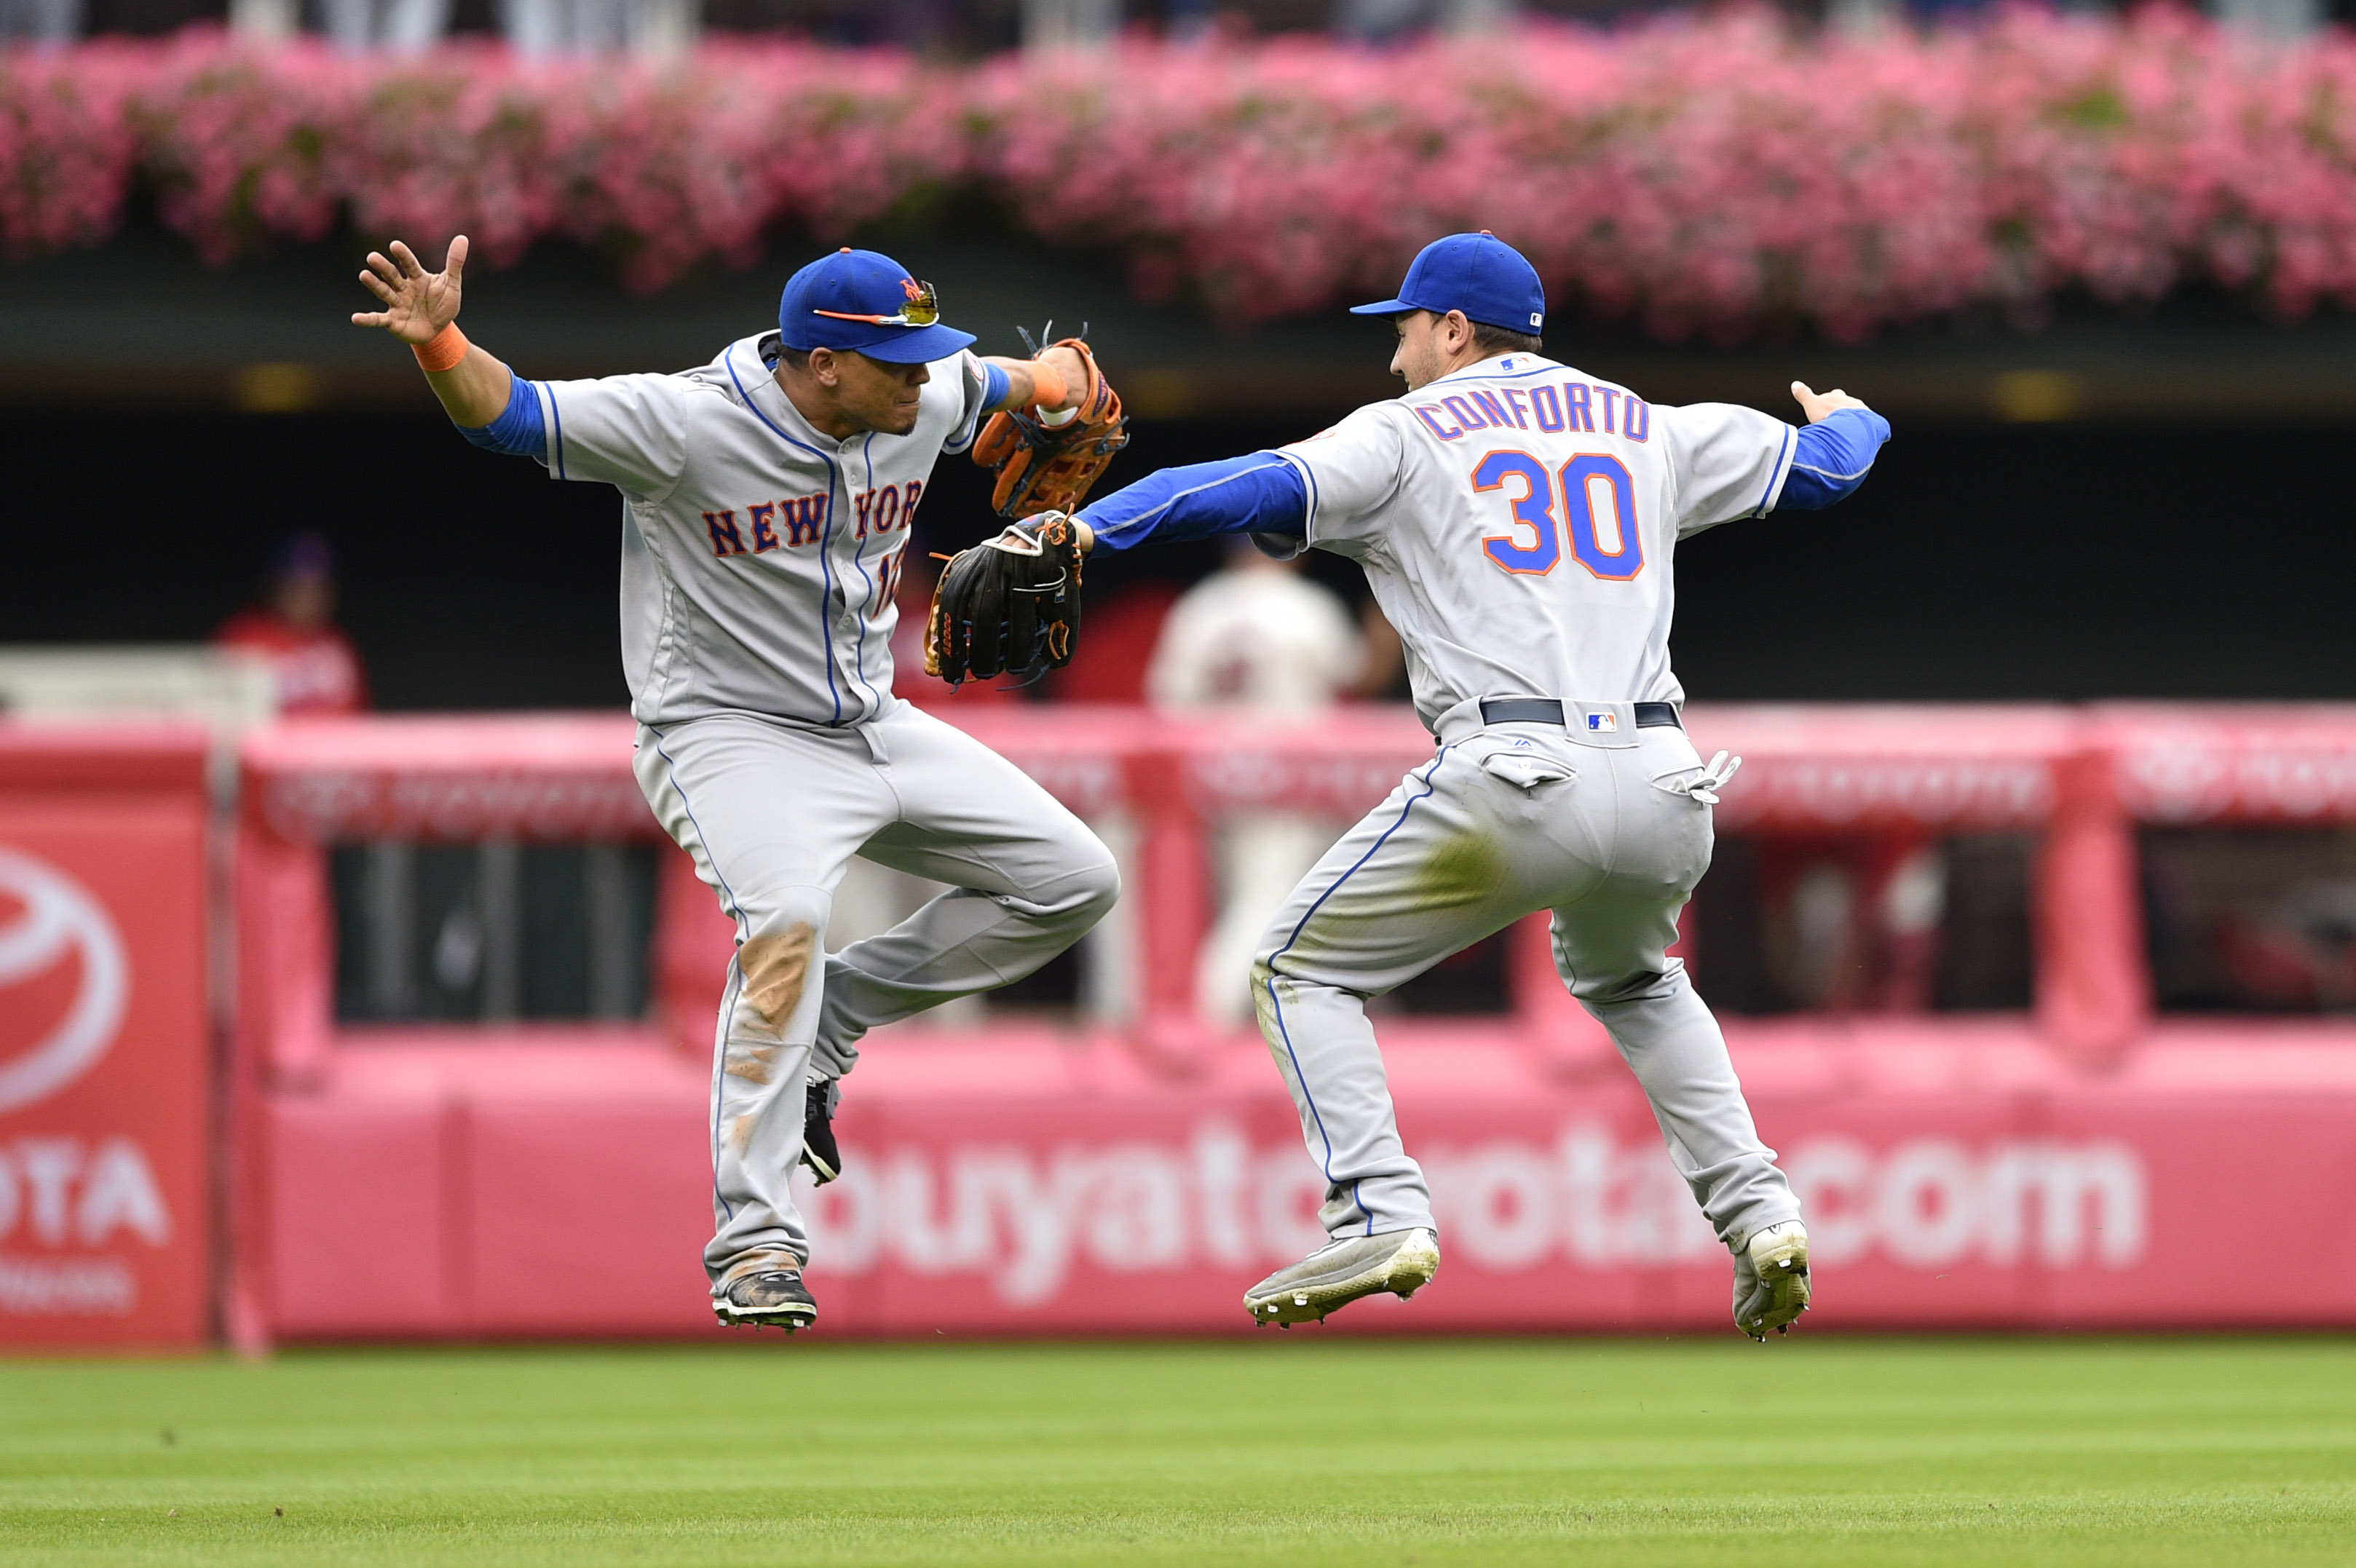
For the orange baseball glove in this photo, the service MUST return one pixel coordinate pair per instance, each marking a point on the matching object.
(1049, 468)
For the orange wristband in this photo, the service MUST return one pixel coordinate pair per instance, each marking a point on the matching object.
(1047, 387)
(443, 350)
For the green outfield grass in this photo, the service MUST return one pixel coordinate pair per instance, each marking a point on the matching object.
(1275, 1450)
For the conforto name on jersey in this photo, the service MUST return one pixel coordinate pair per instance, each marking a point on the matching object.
(1552, 407)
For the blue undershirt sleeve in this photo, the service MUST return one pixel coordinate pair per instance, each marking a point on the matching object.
(1257, 494)
(1832, 457)
(521, 431)
(995, 385)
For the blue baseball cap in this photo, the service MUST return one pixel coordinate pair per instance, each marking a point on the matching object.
(1479, 274)
(859, 300)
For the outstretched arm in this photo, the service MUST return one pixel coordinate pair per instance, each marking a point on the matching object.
(1833, 451)
(1066, 376)
(1259, 493)
(421, 308)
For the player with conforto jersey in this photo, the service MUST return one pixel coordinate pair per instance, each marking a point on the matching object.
(767, 501)
(1516, 519)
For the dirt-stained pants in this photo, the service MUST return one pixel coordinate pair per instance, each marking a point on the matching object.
(1504, 821)
(772, 811)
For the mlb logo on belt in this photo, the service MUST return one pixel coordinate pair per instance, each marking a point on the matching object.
(1603, 722)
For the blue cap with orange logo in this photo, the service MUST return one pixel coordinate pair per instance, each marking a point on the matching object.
(1479, 274)
(863, 300)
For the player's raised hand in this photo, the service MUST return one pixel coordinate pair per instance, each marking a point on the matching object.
(417, 303)
(1816, 405)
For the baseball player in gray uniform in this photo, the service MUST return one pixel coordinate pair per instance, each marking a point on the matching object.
(766, 500)
(1515, 518)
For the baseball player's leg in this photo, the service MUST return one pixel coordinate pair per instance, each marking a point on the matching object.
(1611, 949)
(1491, 829)
(771, 815)
(1027, 880)
(1433, 870)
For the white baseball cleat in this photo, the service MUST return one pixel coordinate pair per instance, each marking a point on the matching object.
(1771, 1279)
(1401, 1262)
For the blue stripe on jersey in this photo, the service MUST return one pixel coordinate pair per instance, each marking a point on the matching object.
(557, 415)
(825, 537)
(1308, 477)
(1833, 457)
(743, 928)
(1764, 495)
(1259, 494)
(859, 656)
(1275, 1003)
(995, 387)
(520, 431)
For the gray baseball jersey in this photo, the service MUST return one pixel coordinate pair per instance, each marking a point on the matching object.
(758, 554)
(1517, 522)
(759, 558)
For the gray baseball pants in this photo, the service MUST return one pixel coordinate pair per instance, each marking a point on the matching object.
(1506, 820)
(772, 811)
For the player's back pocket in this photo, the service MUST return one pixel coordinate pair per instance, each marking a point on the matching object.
(1528, 763)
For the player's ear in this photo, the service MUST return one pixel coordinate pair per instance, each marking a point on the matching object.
(823, 367)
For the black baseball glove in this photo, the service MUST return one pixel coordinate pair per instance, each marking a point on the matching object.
(1010, 605)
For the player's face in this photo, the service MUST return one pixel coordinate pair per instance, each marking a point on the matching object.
(1421, 357)
(878, 396)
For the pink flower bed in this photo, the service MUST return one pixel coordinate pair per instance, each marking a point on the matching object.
(1711, 174)
(1704, 175)
(244, 144)
(66, 146)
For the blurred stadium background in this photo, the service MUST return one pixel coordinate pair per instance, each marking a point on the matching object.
(339, 957)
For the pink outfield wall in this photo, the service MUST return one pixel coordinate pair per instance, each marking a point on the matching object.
(2088, 1166)
(1020, 1186)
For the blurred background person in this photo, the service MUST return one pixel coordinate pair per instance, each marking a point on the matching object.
(1852, 923)
(312, 664)
(658, 29)
(39, 21)
(1381, 20)
(1258, 635)
(358, 25)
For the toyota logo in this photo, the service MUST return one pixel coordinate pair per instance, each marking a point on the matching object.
(58, 916)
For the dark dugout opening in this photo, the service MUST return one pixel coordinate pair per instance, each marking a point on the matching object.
(1978, 563)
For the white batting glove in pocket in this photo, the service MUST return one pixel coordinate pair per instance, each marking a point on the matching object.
(1701, 784)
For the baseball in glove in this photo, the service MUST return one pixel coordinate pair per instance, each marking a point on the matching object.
(1009, 604)
(1048, 468)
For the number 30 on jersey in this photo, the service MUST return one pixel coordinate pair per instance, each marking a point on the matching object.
(1595, 493)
